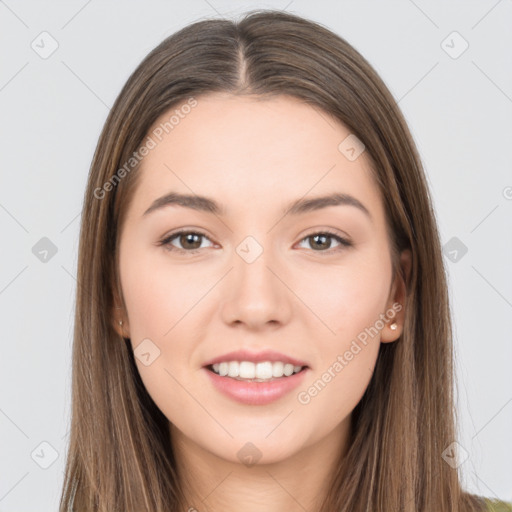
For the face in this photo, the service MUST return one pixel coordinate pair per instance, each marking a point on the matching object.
(310, 285)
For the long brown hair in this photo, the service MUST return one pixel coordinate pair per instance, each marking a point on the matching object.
(120, 456)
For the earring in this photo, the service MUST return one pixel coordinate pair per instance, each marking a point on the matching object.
(120, 322)
(393, 326)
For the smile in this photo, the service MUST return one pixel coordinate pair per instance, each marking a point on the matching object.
(262, 372)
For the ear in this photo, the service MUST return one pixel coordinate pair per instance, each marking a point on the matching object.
(397, 300)
(118, 315)
(122, 330)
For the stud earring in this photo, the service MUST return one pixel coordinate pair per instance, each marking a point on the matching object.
(393, 326)
(120, 322)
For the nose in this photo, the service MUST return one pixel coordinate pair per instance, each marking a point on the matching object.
(257, 295)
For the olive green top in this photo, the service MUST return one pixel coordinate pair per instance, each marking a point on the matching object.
(498, 506)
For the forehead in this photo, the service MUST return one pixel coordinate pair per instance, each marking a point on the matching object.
(252, 151)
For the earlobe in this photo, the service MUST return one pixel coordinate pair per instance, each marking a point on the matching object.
(118, 317)
(397, 304)
(120, 324)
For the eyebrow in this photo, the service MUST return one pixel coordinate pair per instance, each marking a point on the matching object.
(300, 206)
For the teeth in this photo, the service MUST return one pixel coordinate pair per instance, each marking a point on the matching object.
(223, 369)
(277, 369)
(233, 369)
(248, 370)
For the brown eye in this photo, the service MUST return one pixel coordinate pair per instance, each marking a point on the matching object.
(188, 241)
(322, 241)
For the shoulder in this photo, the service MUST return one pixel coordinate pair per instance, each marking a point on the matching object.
(497, 505)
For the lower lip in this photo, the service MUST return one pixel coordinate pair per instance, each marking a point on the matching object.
(256, 393)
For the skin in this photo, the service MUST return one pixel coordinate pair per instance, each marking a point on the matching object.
(255, 157)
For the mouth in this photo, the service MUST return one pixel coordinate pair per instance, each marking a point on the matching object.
(266, 378)
(255, 378)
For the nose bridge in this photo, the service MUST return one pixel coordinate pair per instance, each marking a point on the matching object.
(256, 295)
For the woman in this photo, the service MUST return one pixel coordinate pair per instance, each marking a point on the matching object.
(262, 317)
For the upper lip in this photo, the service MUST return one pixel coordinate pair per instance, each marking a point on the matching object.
(256, 357)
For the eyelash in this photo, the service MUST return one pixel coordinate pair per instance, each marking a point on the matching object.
(166, 242)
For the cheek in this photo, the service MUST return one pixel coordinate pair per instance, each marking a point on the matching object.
(333, 392)
(349, 301)
(160, 304)
(348, 298)
(158, 295)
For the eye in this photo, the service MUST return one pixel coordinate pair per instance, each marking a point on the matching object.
(322, 241)
(190, 241)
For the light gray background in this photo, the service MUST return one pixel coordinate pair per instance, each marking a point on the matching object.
(459, 111)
